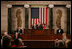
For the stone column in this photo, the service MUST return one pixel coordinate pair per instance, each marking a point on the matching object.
(24, 18)
(68, 18)
(9, 19)
(51, 16)
(47, 17)
(27, 18)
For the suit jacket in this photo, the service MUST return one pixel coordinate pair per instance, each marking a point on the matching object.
(6, 42)
(36, 27)
(40, 27)
(61, 31)
(19, 31)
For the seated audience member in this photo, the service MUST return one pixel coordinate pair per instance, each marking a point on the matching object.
(19, 30)
(59, 43)
(44, 26)
(56, 43)
(17, 40)
(60, 31)
(64, 38)
(16, 36)
(6, 40)
(66, 41)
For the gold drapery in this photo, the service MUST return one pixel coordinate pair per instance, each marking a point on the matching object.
(59, 15)
(18, 15)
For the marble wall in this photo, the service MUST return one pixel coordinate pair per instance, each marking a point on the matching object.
(4, 13)
(14, 18)
(4, 17)
(63, 18)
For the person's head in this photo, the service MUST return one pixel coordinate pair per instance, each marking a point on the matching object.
(5, 33)
(59, 27)
(56, 40)
(18, 27)
(16, 33)
(34, 24)
(38, 21)
(43, 25)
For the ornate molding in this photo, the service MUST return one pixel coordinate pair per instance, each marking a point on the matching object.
(51, 5)
(26, 6)
(9, 6)
(68, 6)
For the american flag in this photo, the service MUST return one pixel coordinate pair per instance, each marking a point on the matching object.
(39, 15)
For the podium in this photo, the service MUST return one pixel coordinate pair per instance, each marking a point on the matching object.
(38, 32)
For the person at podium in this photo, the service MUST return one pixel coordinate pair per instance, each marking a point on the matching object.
(44, 26)
(40, 26)
(60, 31)
(34, 26)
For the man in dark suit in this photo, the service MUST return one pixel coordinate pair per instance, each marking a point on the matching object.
(60, 31)
(19, 30)
(6, 40)
(40, 26)
(34, 26)
(16, 37)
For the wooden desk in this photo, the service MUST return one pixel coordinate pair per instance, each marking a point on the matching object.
(38, 32)
(39, 44)
(40, 38)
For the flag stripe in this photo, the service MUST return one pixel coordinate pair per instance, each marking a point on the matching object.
(33, 21)
(42, 17)
(36, 21)
(46, 15)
